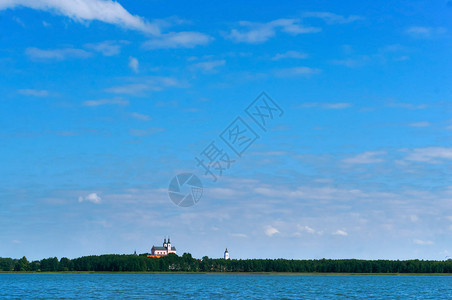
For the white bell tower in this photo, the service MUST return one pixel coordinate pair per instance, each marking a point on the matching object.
(226, 254)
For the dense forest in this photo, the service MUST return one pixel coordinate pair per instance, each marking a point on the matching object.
(186, 263)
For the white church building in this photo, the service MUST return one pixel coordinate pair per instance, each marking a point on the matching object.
(166, 249)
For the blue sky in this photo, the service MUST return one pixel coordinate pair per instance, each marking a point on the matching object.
(104, 102)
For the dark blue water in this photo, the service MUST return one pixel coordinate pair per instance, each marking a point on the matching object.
(139, 286)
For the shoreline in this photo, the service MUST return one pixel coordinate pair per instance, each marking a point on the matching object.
(233, 273)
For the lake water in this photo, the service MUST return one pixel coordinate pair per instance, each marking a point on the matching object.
(205, 286)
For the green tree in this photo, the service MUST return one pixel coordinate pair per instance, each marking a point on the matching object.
(22, 265)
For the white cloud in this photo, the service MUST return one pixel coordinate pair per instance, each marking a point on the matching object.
(422, 242)
(331, 18)
(107, 48)
(209, 66)
(141, 117)
(33, 92)
(253, 32)
(425, 32)
(429, 154)
(297, 71)
(93, 197)
(307, 229)
(420, 124)
(368, 157)
(414, 218)
(113, 101)
(240, 235)
(133, 64)
(270, 231)
(290, 54)
(19, 21)
(340, 232)
(155, 83)
(261, 32)
(185, 39)
(145, 132)
(352, 62)
(315, 193)
(132, 88)
(87, 10)
(325, 105)
(257, 35)
(407, 105)
(56, 54)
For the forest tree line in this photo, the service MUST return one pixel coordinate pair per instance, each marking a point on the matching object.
(186, 263)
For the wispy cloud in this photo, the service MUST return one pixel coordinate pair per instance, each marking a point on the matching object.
(368, 157)
(326, 105)
(185, 39)
(331, 18)
(407, 105)
(419, 124)
(87, 10)
(290, 54)
(19, 21)
(145, 132)
(107, 48)
(429, 154)
(297, 71)
(240, 235)
(352, 62)
(155, 83)
(93, 198)
(56, 54)
(253, 32)
(33, 92)
(340, 232)
(425, 32)
(422, 242)
(141, 117)
(209, 66)
(132, 88)
(270, 230)
(414, 218)
(113, 101)
(306, 229)
(133, 64)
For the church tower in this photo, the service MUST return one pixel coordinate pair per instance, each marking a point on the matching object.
(169, 245)
(164, 243)
(226, 254)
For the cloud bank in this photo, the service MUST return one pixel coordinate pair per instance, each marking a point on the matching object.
(87, 10)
